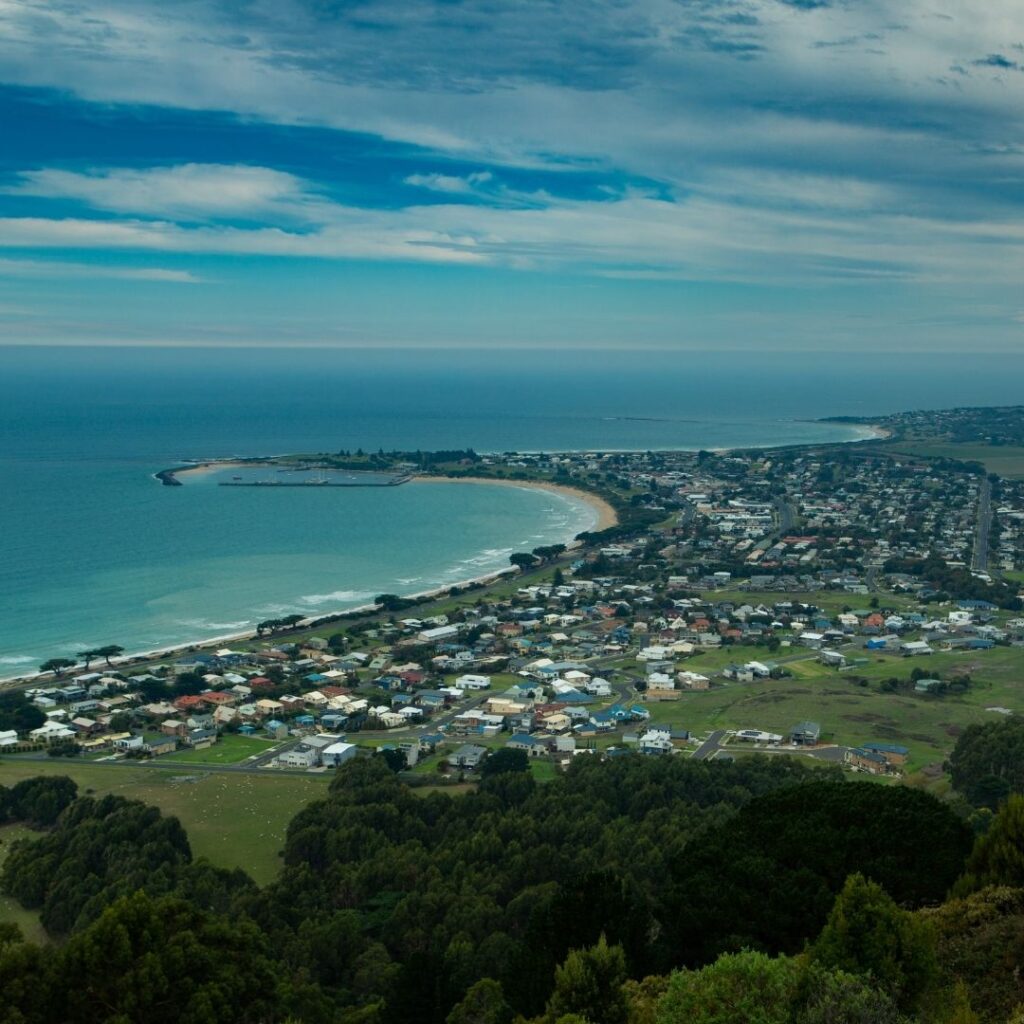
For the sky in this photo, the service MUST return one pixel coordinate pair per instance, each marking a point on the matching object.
(772, 175)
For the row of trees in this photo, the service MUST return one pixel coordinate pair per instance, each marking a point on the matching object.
(58, 666)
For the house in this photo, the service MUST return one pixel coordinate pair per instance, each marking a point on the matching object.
(656, 740)
(52, 732)
(893, 753)
(915, 648)
(337, 754)
(805, 734)
(8, 738)
(276, 729)
(533, 746)
(157, 744)
(468, 756)
(301, 757)
(473, 682)
(862, 760)
(833, 659)
(128, 744)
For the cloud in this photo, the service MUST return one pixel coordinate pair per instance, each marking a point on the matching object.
(781, 229)
(185, 190)
(452, 184)
(64, 269)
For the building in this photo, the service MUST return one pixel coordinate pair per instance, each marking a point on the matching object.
(337, 754)
(469, 756)
(805, 734)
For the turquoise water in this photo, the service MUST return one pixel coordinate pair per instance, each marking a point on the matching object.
(94, 551)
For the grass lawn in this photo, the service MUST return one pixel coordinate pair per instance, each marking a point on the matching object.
(851, 714)
(11, 911)
(234, 820)
(229, 749)
(543, 771)
(1006, 460)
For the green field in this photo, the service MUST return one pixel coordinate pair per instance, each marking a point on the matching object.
(11, 911)
(229, 749)
(851, 714)
(1006, 460)
(233, 819)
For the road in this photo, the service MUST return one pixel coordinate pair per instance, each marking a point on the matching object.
(785, 515)
(710, 746)
(981, 539)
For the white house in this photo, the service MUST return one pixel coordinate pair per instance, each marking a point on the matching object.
(473, 682)
(338, 753)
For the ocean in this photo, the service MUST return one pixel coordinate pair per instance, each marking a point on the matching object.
(94, 551)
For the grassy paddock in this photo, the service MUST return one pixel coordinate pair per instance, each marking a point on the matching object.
(1006, 460)
(229, 749)
(234, 820)
(11, 911)
(851, 714)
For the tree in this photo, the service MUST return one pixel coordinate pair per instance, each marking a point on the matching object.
(483, 1003)
(998, 856)
(987, 762)
(394, 759)
(589, 984)
(504, 760)
(17, 712)
(88, 656)
(108, 652)
(522, 560)
(558, 579)
(747, 987)
(868, 935)
(57, 666)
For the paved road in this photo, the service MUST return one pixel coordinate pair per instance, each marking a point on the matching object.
(785, 516)
(981, 539)
(710, 746)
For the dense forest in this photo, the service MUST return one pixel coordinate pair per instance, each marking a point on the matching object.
(634, 891)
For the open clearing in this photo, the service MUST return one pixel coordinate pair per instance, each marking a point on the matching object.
(11, 911)
(227, 750)
(233, 819)
(849, 713)
(1006, 460)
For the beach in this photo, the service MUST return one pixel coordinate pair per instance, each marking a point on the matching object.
(606, 514)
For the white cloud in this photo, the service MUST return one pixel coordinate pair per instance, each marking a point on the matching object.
(184, 190)
(717, 234)
(64, 269)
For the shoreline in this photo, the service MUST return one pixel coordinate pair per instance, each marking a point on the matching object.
(606, 514)
(186, 646)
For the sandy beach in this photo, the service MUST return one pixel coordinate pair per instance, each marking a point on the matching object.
(606, 515)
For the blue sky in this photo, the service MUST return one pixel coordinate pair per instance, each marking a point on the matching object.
(788, 175)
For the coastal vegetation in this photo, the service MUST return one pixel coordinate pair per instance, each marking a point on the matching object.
(596, 898)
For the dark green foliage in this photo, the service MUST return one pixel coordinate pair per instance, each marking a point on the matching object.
(484, 1003)
(505, 760)
(869, 936)
(998, 855)
(99, 850)
(806, 840)
(503, 882)
(17, 712)
(158, 961)
(980, 940)
(748, 986)
(37, 802)
(987, 762)
(589, 984)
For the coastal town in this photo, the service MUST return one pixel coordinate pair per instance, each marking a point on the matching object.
(850, 604)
